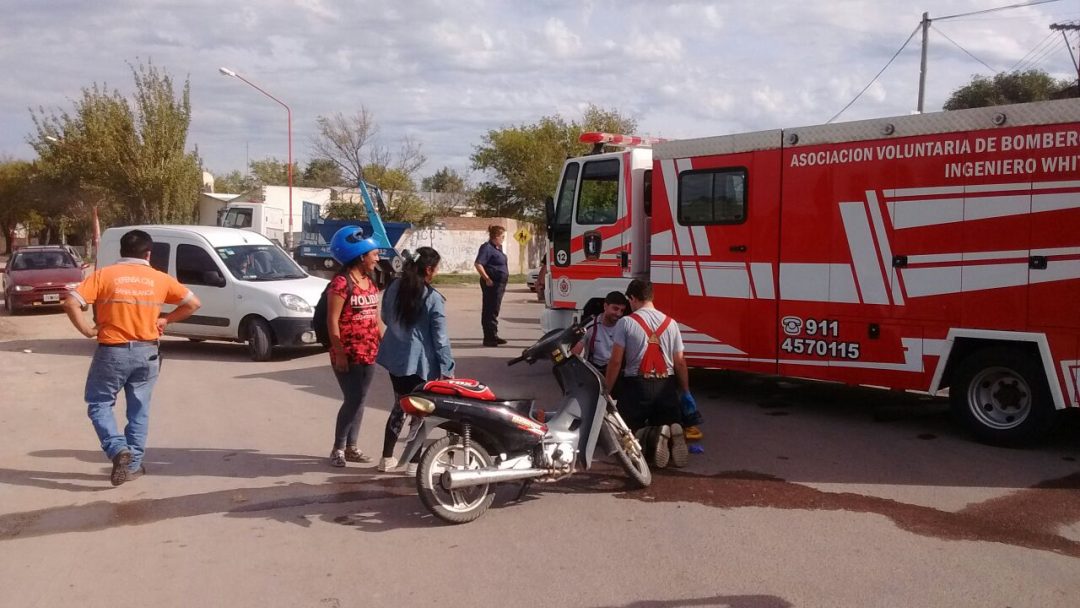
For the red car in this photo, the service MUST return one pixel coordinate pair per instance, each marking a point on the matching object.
(41, 276)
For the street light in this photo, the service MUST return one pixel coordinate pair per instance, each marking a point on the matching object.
(288, 110)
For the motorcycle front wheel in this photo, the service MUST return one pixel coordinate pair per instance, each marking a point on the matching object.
(627, 449)
(454, 506)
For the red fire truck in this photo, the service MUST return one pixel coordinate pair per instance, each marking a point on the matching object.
(926, 252)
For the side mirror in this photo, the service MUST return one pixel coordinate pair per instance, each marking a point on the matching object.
(549, 214)
(213, 278)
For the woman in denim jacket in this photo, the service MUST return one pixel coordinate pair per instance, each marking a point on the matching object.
(415, 347)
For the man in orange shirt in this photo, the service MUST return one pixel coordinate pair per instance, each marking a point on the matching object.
(128, 297)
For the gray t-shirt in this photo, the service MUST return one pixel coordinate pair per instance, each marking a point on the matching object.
(630, 336)
(598, 342)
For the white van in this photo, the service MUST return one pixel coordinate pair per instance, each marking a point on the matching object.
(251, 290)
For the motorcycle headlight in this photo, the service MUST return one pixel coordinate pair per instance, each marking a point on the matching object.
(24, 288)
(295, 302)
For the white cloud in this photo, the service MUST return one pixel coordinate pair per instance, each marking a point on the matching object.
(447, 71)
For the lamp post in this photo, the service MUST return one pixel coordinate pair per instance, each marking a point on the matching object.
(288, 111)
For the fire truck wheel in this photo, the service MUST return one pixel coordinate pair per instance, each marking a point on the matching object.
(1000, 394)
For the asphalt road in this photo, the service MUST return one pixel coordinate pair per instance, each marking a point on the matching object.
(807, 495)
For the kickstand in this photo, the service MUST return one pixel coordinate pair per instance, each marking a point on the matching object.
(523, 491)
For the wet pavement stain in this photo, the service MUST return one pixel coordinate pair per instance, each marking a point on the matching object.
(101, 515)
(781, 413)
(1026, 518)
(926, 436)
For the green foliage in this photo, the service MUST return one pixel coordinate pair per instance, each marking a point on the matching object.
(524, 161)
(234, 183)
(444, 180)
(126, 156)
(322, 173)
(1006, 88)
(272, 172)
(16, 197)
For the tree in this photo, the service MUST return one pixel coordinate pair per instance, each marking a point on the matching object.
(272, 172)
(350, 142)
(444, 180)
(129, 152)
(1005, 88)
(322, 173)
(16, 206)
(234, 182)
(524, 161)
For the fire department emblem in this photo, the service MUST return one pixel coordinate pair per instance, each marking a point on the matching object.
(563, 286)
(792, 325)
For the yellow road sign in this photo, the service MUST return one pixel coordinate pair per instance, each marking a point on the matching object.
(522, 236)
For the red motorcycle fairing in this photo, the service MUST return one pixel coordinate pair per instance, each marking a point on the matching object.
(461, 387)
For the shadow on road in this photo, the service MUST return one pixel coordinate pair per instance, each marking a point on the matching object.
(171, 348)
(716, 601)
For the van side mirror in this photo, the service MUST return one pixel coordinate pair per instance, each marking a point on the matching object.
(213, 278)
(549, 214)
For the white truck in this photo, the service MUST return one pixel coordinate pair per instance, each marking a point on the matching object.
(267, 220)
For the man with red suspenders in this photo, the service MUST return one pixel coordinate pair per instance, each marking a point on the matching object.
(648, 347)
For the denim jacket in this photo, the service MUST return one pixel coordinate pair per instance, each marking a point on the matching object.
(423, 349)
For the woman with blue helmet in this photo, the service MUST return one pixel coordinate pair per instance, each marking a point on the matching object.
(352, 318)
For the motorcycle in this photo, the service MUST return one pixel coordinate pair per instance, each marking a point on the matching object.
(490, 441)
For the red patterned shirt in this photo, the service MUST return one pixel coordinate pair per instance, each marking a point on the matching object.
(359, 320)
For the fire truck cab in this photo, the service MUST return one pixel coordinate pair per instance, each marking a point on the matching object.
(928, 252)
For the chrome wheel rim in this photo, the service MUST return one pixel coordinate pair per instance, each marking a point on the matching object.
(999, 398)
(461, 500)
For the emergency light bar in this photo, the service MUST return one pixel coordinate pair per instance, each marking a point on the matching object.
(613, 139)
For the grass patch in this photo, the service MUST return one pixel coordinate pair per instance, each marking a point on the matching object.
(470, 279)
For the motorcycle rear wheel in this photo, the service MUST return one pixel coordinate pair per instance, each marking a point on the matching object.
(454, 506)
(627, 450)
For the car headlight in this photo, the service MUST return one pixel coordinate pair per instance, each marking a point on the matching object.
(295, 302)
(71, 286)
(24, 288)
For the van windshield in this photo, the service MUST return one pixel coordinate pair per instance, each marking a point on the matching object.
(259, 263)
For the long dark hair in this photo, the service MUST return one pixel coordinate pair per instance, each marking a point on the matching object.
(412, 286)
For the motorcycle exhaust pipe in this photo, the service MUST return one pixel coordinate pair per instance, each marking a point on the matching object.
(464, 478)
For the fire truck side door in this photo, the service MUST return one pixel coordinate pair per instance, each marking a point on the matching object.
(562, 223)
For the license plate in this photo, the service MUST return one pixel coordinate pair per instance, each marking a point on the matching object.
(51, 297)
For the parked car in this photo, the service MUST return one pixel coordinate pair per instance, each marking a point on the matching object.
(532, 277)
(41, 276)
(251, 291)
(541, 280)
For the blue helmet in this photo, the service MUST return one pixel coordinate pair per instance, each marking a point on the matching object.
(349, 244)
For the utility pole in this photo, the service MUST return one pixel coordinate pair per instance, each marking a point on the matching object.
(922, 64)
(1069, 27)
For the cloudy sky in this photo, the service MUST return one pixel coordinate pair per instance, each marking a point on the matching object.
(447, 71)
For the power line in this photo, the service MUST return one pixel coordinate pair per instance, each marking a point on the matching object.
(1032, 52)
(957, 45)
(874, 79)
(993, 10)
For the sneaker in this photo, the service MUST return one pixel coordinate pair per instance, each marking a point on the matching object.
(693, 433)
(678, 446)
(662, 448)
(137, 473)
(120, 464)
(412, 468)
(337, 458)
(354, 455)
(386, 463)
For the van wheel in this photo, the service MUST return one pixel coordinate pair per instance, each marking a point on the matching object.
(1001, 395)
(259, 343)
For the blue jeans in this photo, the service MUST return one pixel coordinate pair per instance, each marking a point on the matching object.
(133, 368)
(354, 385)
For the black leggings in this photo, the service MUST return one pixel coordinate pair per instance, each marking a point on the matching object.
(354, 385)
(403, 385)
